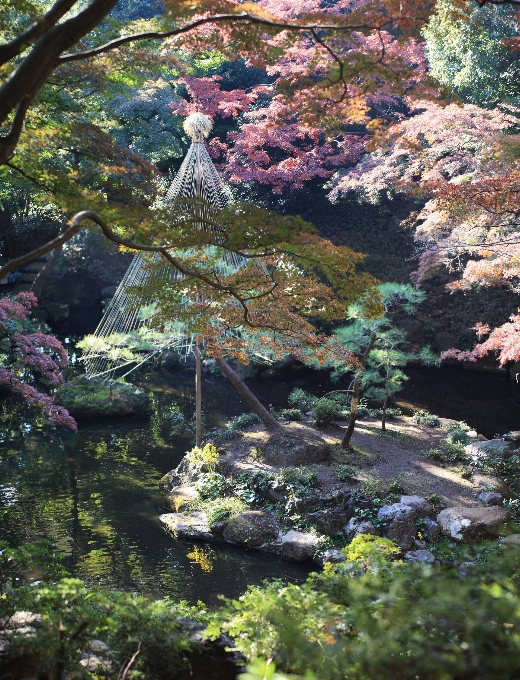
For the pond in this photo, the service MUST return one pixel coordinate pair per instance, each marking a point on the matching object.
(96, 494)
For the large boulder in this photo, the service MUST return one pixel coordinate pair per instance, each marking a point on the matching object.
(472, 524)
(424, 556)
(180, 496)
(431, 530)
(185, 474)
(420, 506)
(252, 528)
(358, 525)
(402, 531)
(390, 512)
(333, 555)
(298, 546)
(492, 448)
(328, 521)
(84, 398)
(491, 497)
(190, 526)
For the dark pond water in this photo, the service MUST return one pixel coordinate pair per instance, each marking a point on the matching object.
(95, 494)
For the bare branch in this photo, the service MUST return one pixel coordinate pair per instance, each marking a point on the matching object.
(12, 49)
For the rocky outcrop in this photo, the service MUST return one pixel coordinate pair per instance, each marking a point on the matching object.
(328, 521)
(84, 398)
(400, 521)
(431, 530)
(287, 450)
(180, 496)
(357, 526)
(252, 528)
(472, 524)
(298, 546)
(191, 526)
(478, 451)
(420, 506)
(424, 556)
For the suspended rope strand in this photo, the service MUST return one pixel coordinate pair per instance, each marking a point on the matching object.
(128, 318)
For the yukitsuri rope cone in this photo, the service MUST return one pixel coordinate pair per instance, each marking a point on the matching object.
(126, 323)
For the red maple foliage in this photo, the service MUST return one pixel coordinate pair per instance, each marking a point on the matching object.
(31, 358)
(294, 128)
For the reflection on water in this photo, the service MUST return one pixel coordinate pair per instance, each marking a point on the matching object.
(96, 496)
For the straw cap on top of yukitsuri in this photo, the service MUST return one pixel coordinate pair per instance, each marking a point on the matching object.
(197, 126)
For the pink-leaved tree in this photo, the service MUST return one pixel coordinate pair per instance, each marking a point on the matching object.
(31, 360)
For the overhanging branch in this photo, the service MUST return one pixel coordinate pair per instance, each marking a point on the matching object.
(241, 18)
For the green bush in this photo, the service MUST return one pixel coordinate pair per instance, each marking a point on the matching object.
(299, 477)
(233, 427)
(427, 419)
(72, 616)
(325, 411)
(242, 421)
(211, 485)
(457, 433)
(449, 453)
(224, 508)
(250, 486)
(205, 459)
(290, 414)
(345, 473)
(302, 400)
(384, 620)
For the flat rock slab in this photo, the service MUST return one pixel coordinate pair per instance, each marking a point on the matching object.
(192, 526)
(472, 524)
(298, 546)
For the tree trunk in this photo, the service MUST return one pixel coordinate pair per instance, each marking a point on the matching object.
(198, 397)
(383, 418)
(353, 416)
(244, 391)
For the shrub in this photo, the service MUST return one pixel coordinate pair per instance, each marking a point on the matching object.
(427, 419)
(397, 486)
(449, 453)
(290, 414)
(205, 459)
(211, 485)
(393, 620)
(390, 413)
(325, 411)
(232, 428)
(302, 400)
(457, 433)
(370, 551)
(224, 508)
(372, 487)
(345, 473)
(341, 398)
(242, 421)
(297, 477)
